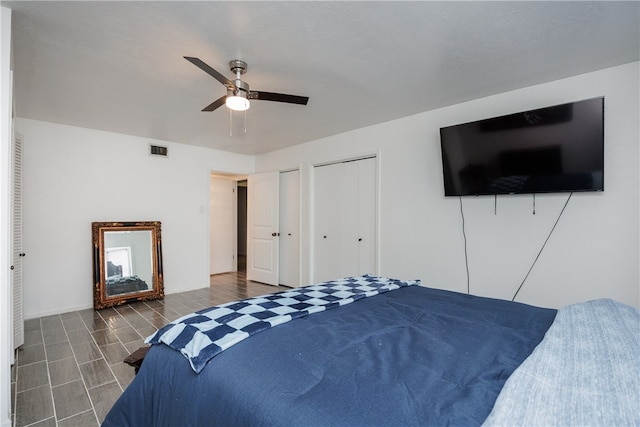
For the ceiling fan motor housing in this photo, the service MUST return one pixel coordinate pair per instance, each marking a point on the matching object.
(238, 68)
(241, 87)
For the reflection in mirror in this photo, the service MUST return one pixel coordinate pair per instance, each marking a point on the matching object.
(127, 262)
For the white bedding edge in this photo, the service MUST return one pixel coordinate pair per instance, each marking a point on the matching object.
(585, 372)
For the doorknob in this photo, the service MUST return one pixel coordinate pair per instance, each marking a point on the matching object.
(274, 234)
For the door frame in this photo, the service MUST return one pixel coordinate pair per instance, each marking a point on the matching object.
(230, 177)
(226, 246)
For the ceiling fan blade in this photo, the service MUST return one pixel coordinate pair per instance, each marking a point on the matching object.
(215, 104)
(213, 73)
(279, 97)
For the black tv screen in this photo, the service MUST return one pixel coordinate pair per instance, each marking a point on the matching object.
(552, 149)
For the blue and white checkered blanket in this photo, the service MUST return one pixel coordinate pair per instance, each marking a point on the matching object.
(202, 335)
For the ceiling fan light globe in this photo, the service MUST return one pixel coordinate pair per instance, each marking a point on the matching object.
(237, 103)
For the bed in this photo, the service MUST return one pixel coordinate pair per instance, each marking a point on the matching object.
(402, 354)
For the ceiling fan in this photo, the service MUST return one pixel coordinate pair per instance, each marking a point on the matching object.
(238, 93)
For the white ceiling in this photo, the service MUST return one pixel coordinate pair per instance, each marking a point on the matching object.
(118, 66)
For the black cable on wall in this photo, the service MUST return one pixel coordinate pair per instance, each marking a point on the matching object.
(543, 245)
(466, 256)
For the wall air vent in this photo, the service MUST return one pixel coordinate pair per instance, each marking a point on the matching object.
(157, 150)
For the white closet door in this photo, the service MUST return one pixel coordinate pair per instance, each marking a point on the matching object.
(345, 212)
(326, 219)
(262, 227)
(289, 270)
(17, 252)
(367, 208)
(349, 219)
(223, 201)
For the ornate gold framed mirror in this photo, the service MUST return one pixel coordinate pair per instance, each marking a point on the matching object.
(127, 262)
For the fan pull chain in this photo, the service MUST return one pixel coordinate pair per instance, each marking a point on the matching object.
(231, 122)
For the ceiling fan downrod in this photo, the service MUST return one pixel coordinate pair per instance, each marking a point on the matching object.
(239, 67)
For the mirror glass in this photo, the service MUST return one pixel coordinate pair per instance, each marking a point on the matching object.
(127, 262)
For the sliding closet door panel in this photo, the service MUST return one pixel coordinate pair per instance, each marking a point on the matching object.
(326, 219)
(289, 271)
(349, 218)
(367, 208)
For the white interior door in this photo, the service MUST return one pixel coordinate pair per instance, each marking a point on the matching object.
(223, 201)
(289, 269)
(262, 227)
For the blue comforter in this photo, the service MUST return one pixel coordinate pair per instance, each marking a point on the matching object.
(414, 356)
(202, 335)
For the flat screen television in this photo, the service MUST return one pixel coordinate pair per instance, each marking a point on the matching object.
(552, 149)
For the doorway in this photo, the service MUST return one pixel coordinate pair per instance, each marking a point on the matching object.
(227, 223)
(242, 226)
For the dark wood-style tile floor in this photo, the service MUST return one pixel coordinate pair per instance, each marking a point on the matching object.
(70, 370)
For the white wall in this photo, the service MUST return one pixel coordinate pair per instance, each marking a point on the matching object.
(593, 252)
(74, 176)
